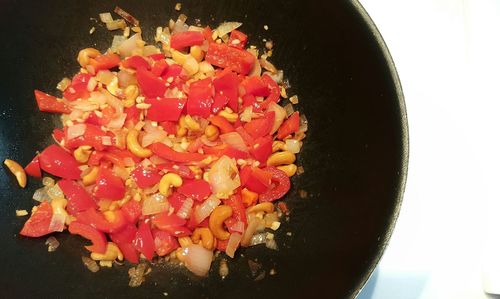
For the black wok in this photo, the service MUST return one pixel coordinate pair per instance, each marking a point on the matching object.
(355, 155)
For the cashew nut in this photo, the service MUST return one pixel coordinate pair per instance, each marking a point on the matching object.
(267, 207)
(289, 169)
(197, 53)
(191, 66)
(216, 221)
(17, 170)
(169, 180)
(212, 132)
(85, 55)
(205, 235)
(278, 145)
(91, 176)
(134, 146)
(82, 153)
(185, 241)
(112, 253)
(281, 158)
(131, 93)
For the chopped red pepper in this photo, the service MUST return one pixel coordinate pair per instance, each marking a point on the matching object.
(48, 103)
(279, 187)
(132, 210)
(164, 242)
(164, 221)
(123, 240)
(78, 88)
(144, 177)
(129, 252)
(165, 109)
(97, 238)
(58, 135)
(289, 126)
(181, 40)
(200, 98)
(58, 162)
(166, 152)
(196, 189)
(169, 126)
(241, 38)
(223, 124)
(33, 168)
(179, 169)
(109, 222)
(226, 90)
(39, 222)
(261, 126)
(239, 211)
(108, 185)
(259, 180)
(157, 57)
(176, 200)
(136, 62)
(255, 86)
(79, 199)
(263, 148)
(143, 241)
(225, 56)
(105, 62)
(151, 86)
(92, 136)
(274, 91)
(159, 67)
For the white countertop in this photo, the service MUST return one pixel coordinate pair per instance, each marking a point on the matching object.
(448, 232)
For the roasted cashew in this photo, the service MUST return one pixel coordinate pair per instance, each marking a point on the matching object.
(91, 176)
(17, 170)
(167, 181)
(112, 253)
(85, 55)
(82, 153)
(281, 158)
(266, 207)
(134, 146)
(216, 221)
(289, 169)
(205, 235)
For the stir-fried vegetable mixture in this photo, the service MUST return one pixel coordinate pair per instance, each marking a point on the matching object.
(174, 151)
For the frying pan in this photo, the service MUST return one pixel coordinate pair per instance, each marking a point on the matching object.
(354, 157)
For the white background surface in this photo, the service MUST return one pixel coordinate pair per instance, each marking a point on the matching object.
(446, 53)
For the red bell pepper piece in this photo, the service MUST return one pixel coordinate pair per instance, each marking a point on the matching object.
(200, 98)
(92, 136)
(123, 239)
(225, 56)
(173, 71)
(39, 222)
(263, 149)
(240, 36)
(78, 87)
(132, 210)
(255, 86)
(181, 40)
(239, 211)
(166, 152)
(259, 180)
(165, 109)
(95, 158)
(156, 57)
(33, 168)
(207, 33)
(169, 126)
(108, 185)
(164, 221)
(249, 100)
(220, 102)
(232, 152)
(159, 67)
(136, 62)
(164, 242)
(181, 170)
(289, 126)
(113, 221)
(195, 145)
(226, 84)
(129, 252)
(222, 244)
(105, 62)
(123, 158)
(245, 173)
(48, 103)
(97, 238)
(198, 190)
(151, 86)
(143, 241)
(274, 91)
(261, 126)
(133, 114)
(58, 162)
(145, 177)
(58, 135)
(249, 140)
(176, 200)
(279, 187)
(79, 199)
(223, 124)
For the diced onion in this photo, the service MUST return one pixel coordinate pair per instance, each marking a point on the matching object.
(104, 76)
(223, 177)
(277, 77)
(258, 239)
(256, 70)
(63, 84)
(52, 244)
(207, 142)
(238, 226)
(106, 17)
(232, 244)
(55, 192)
(303, 123)
(40, 195)
(198, 259)
(114, 102)
(116, 24)
(234, 139)
(106, 140)
(271, 244)
(180, 26)
(128, 46)
(227, 27)
(267, 65)
(155, 204)
(125, 78)
(293, 145)
(246, 115)
(76, 131)
(205, 209)
(90, 264)
(279, 116)
(150, 49)
(153, 136)
(57, 222)
(117, 41)
(289, 109)
(130, 18)
(121, 172)
(185, 210)
(48, 181)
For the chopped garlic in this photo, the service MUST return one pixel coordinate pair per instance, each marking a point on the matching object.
(21, 213)
(275, 225)
(178, 6)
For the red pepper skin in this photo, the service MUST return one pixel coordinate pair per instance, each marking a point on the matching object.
(97, 220)
(105, 62)
(274, 91)
(123, 239)
(261, 126)
(226, 84)
(97, 238)
(159, 67)
(38, 223)
(173, 71)
(239, 211)
(198, 190)
(108, 185)
(245, 173)
(255, 86)
(240, 36)
(289, 126)
(143, 241)
(200, 98)
(33, 168)
(145, 177)
(176, 200)
(280, 185)
(181, 40)
(132, 210)
(129, 252)
(48, 103)
(78, 88)
(58, 162)
(133, 114)
(165, 109)
(169, 126)
(223, 124)
(92, 136)
(249, 140)
(166, 152)
(58, 135)
(164, 221)
(231, 152)
(136, 62)
(151, 86)
(222, 244)
(164, 242)
(224, 56)
(156, 57)
(263, 150)
(259, 180)
(79, 199)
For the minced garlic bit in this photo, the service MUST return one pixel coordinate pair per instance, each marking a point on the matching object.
(302, 193)
(52, 244)
(269, 44)
(294, 99)
(178, 6)
(270, 236)
(92, 30)
(275, 225)
(21, 213)
(266, 27)
(273, 272)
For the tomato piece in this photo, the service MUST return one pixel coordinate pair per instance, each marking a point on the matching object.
(159, 67)
(105, 62)
(198, 190)
(181, 40)
(261, 126)
(240, 36)
(163, 109)
(145, 177)
(39, 222)
(200, 98)
(79, 199)
(132, 210)
(224, 56)
(164, 221)
(48, 103)
(239, 211)
(78, 88)
(166, 152)
(164, 242)
(274, 91)
(108, 222)
(181, 170)
(108, 185)
(259, 180)
(97, 238)
(151, 86)
(176, 200)
(279, 187)
(58, 162)
(255, 86)
(289, 126)
(33, 168)
(263, 148)
(136, 62)
(143, 241)
(223, 124)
